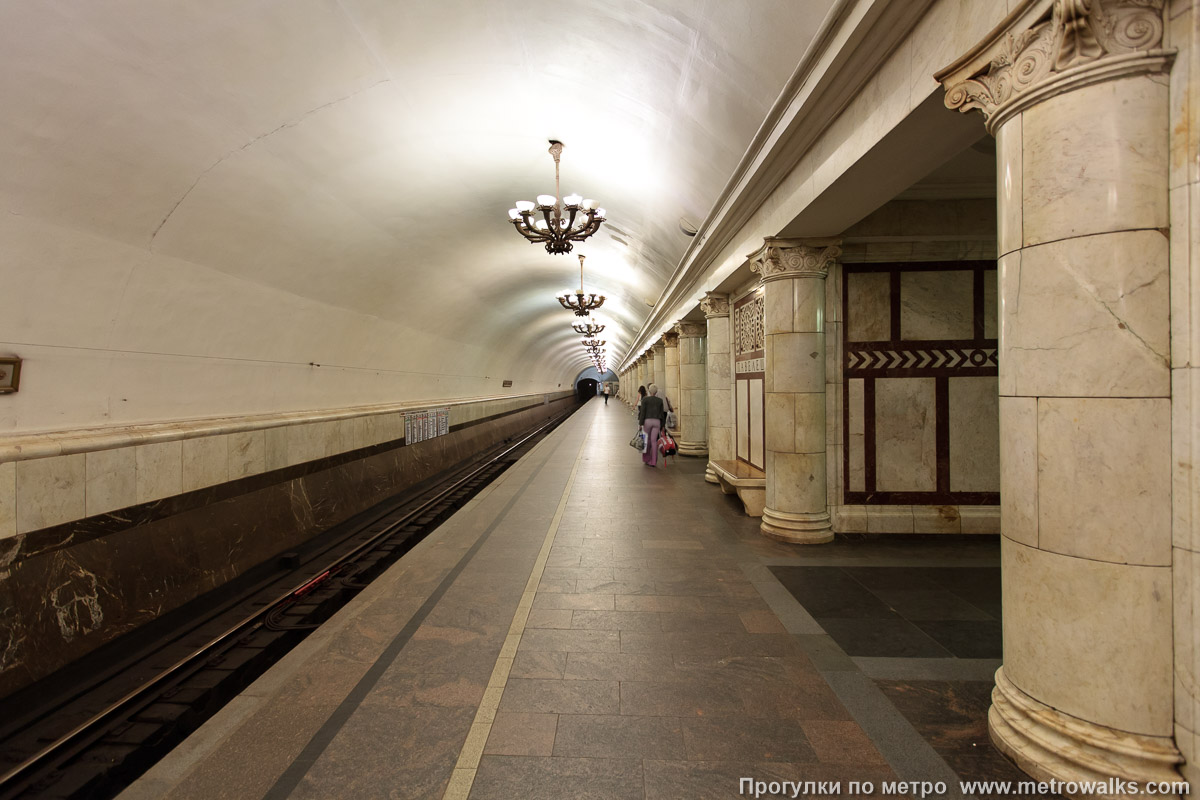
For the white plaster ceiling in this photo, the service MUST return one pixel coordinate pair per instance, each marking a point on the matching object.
(362, 154)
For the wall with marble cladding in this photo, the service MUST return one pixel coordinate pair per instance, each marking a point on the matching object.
(1183, 34)
(96, 543)
(918, 412)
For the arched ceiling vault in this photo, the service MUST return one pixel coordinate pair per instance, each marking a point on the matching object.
(359, 157)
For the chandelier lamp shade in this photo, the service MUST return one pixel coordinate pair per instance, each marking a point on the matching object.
(588, 327)
(582, 217)
(582, 304)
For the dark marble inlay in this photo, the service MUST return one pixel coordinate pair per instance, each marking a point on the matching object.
(952, 717)
(903, 612)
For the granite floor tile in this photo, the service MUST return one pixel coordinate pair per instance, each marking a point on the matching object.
(746, 739)
(812, 699)
(585, 602)
(929, 604)
(614, 587)
(706, 622)
(841, 742)
(882, 638)
(655, 602)
(680, 699)
(382, 752)
(966, 638)
(609, 736)
(761, 621)
(549, 618)
(536, 664)
(520, 734)
(533, 778)
(725, 644)
(574, 641)
(618, 666)
(561, 697)
(616, 620)
(403, 690)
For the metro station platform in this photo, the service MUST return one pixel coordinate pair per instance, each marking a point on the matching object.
(589, 627)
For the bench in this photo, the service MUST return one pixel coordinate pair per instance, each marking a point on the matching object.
(749, 483)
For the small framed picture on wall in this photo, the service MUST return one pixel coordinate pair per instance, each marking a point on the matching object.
(10, 374)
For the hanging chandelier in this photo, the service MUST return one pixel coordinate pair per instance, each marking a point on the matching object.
(588, 326)
(596, 343)
(578, 302)
(555, 231)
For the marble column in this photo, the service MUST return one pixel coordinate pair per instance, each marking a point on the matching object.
(670, 386)
(1076, 96)
(718, 381)
(793, 274)
(658, 366)
(692, 404)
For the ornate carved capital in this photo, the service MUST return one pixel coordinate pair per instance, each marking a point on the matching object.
(1046, 47)
(690, 330)
(657, 349)
(794, 258)
(715, 305)
(671, 338)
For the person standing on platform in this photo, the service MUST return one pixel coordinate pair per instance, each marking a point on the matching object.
(606, 394)
(652, 415)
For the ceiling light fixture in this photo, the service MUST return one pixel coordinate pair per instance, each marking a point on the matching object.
(575, 301)
(588, 326)
(553, 230)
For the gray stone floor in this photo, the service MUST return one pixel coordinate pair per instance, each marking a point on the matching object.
(589, 627)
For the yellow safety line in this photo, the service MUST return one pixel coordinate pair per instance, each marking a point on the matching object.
(463, 776)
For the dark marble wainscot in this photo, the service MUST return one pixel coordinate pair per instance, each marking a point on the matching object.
(66, 590)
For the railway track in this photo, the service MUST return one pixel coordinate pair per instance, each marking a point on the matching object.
(96, 738)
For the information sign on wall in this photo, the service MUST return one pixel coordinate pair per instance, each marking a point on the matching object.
(422, 425)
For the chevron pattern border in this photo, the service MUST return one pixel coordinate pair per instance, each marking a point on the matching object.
(931, 360)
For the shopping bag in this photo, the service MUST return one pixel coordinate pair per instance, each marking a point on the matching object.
(666, 445)
(638, 442)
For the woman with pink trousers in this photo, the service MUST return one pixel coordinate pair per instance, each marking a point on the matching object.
(652, 415)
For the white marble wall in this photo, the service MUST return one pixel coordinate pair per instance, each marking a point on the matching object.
(48, 480)
(718, 382)
(1183, 34)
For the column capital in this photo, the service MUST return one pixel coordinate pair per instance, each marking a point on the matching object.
(671, 338)
(689, 330)
(657, 348)
(715, 304)
(794, 258)
(1047, 47)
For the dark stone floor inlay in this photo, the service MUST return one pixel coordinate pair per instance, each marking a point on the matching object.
(903, 612)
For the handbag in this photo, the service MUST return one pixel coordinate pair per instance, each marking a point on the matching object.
(666, 445)
(672, 420)
(638, 442)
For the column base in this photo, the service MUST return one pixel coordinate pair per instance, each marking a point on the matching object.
(693, 449)
(1050, 745)
(710, 476)
(797, 527)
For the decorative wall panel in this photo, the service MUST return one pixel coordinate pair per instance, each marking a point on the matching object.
(920, 417)
(749, 367)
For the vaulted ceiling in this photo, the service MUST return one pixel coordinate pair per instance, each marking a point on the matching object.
(362, 154)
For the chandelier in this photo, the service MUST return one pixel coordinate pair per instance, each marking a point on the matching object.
(556, 232)
(588, 327)
(578, 302)
(593, 343)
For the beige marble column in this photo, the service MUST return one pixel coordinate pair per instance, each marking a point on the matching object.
(692, 404)
(658, 366)
(793, 274)
(1076, 96)
(670, 385)
(718, 381)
